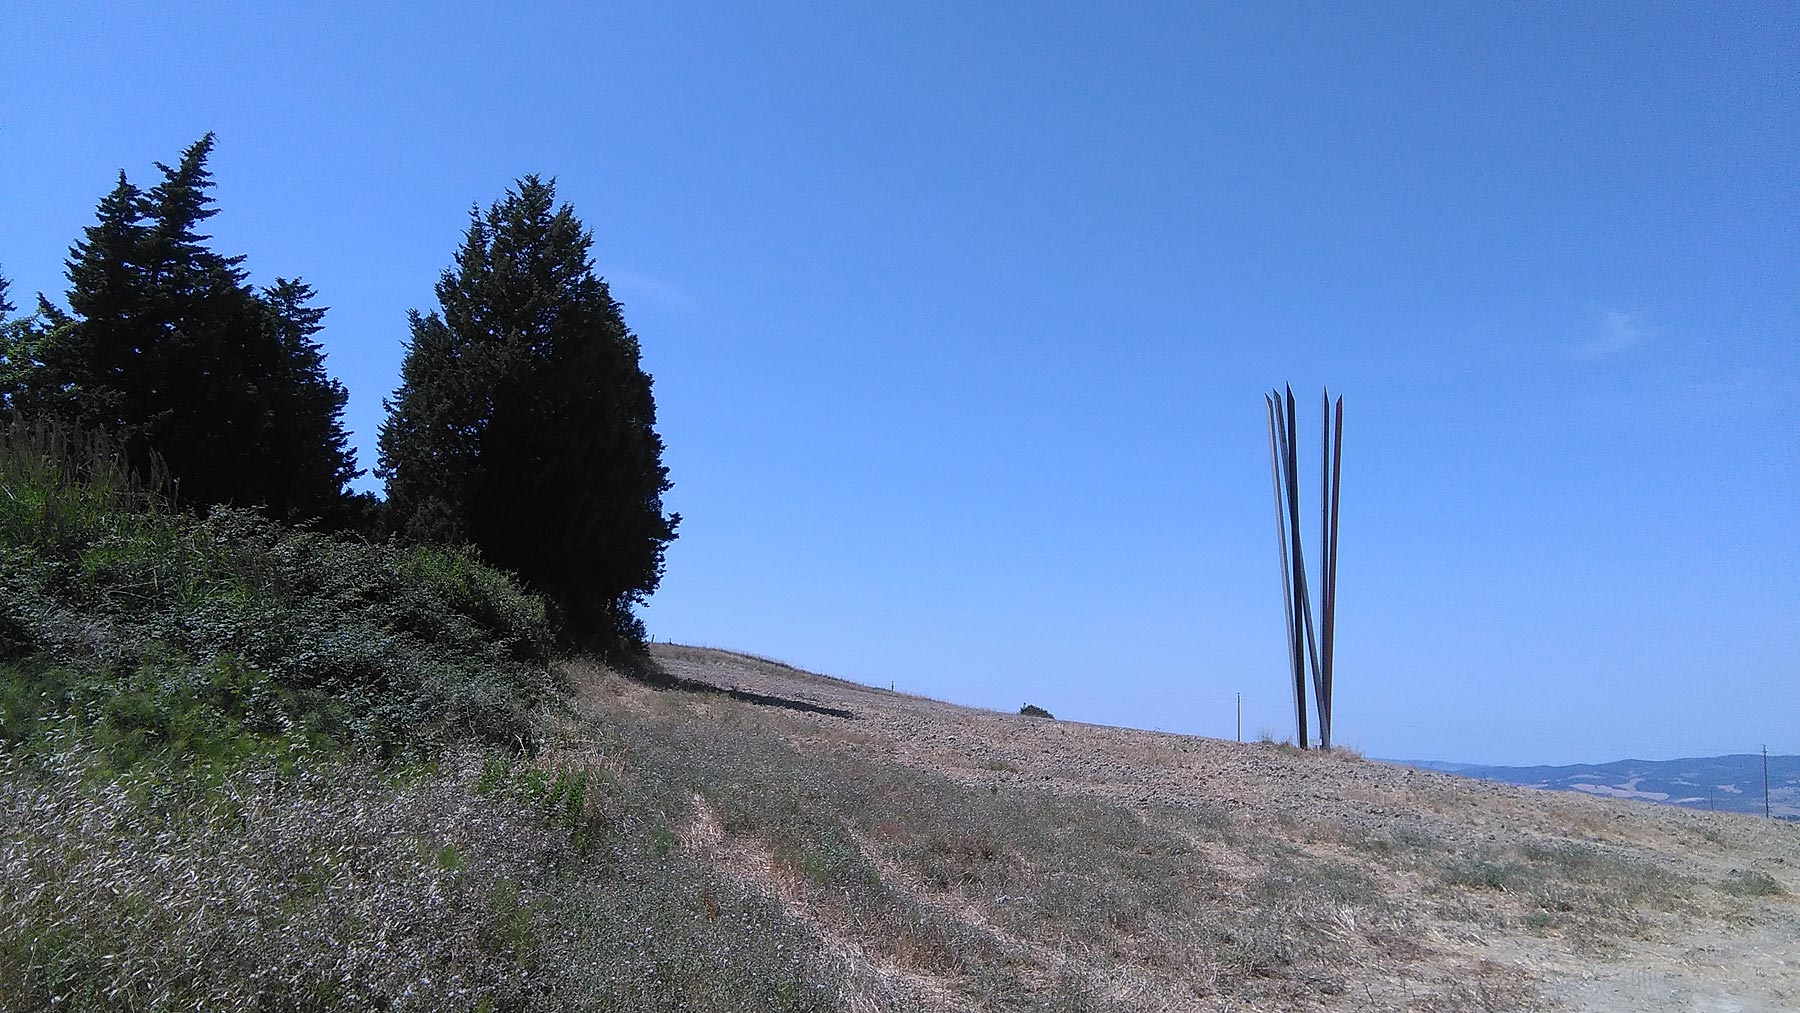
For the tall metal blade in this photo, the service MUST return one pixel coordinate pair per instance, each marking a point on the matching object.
(1312, 648)
(1337, 477)
(1325, 591)
(1302, 602)
(1322, 681)
(1284, 433)
(1278, 464)
(1324, 486)
(1276, 455)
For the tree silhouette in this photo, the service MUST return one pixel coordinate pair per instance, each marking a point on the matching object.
(524, 421)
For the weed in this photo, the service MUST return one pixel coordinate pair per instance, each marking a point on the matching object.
(1753, 884)
(1485, 874)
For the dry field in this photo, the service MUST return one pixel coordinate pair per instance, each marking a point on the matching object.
(939, 857)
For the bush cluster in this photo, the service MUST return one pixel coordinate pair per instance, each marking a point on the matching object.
(153, 633)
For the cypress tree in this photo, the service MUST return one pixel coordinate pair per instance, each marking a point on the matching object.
(14, 350)
(524, 422)
(24, 389)
(306, 410)
(168, 347)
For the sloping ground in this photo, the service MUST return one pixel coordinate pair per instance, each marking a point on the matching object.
(939, 857)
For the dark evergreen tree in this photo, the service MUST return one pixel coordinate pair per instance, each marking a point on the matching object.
(524, 422)
(306, 410)
(168, 347)
(15, 351)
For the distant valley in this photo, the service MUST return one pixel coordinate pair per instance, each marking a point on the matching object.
(1731, 783)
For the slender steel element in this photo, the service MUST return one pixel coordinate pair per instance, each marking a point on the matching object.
(1308, 642)
(1284, 411)
(1278, 454)
(1322, 664)
(1324, 677)
(1330, 460)
(1331, 569)
(1302, 600)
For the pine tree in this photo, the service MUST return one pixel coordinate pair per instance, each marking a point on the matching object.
(430, 441)
(306, 408)
(524, 422)
(168, 347)
(26, 387)
(15, 351)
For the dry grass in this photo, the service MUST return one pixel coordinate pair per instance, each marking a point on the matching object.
(479, 884)
(333, 890)
(997, 862)
(813, 845)
(993, 893)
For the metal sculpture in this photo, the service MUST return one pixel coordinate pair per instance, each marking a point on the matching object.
(1310, 645)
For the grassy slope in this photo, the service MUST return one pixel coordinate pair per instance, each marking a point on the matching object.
(244, 767)
(684, 850)
(250, 767)
(966, 859)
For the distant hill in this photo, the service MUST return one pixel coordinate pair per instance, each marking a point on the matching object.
(1727, 783)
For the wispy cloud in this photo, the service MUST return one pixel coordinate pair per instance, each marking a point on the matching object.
(631, 287)
(1616, 332)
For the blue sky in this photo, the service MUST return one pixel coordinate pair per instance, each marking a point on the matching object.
(960, 317)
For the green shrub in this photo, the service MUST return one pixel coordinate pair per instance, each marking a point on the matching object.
(1753, 884)
(169, 636)
(1034, 711)
(560, 796)
(61, 488)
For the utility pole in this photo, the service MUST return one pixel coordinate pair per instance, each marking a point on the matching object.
(1240, 717)
(1765, 780)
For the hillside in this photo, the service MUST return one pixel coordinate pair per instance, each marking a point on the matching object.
(1716, 783)
(947, 858)
(741, 835)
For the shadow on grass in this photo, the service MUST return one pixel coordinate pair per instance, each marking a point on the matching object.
(647, 670)
(760, 699)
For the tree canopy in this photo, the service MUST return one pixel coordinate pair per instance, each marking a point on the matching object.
(167, 346)
(524, 421)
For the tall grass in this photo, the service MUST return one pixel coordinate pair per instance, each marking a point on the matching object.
(353, 886)
(158, 635)
(249, 767)
(60, 486)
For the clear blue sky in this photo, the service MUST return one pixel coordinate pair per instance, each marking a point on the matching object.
(960, 316)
